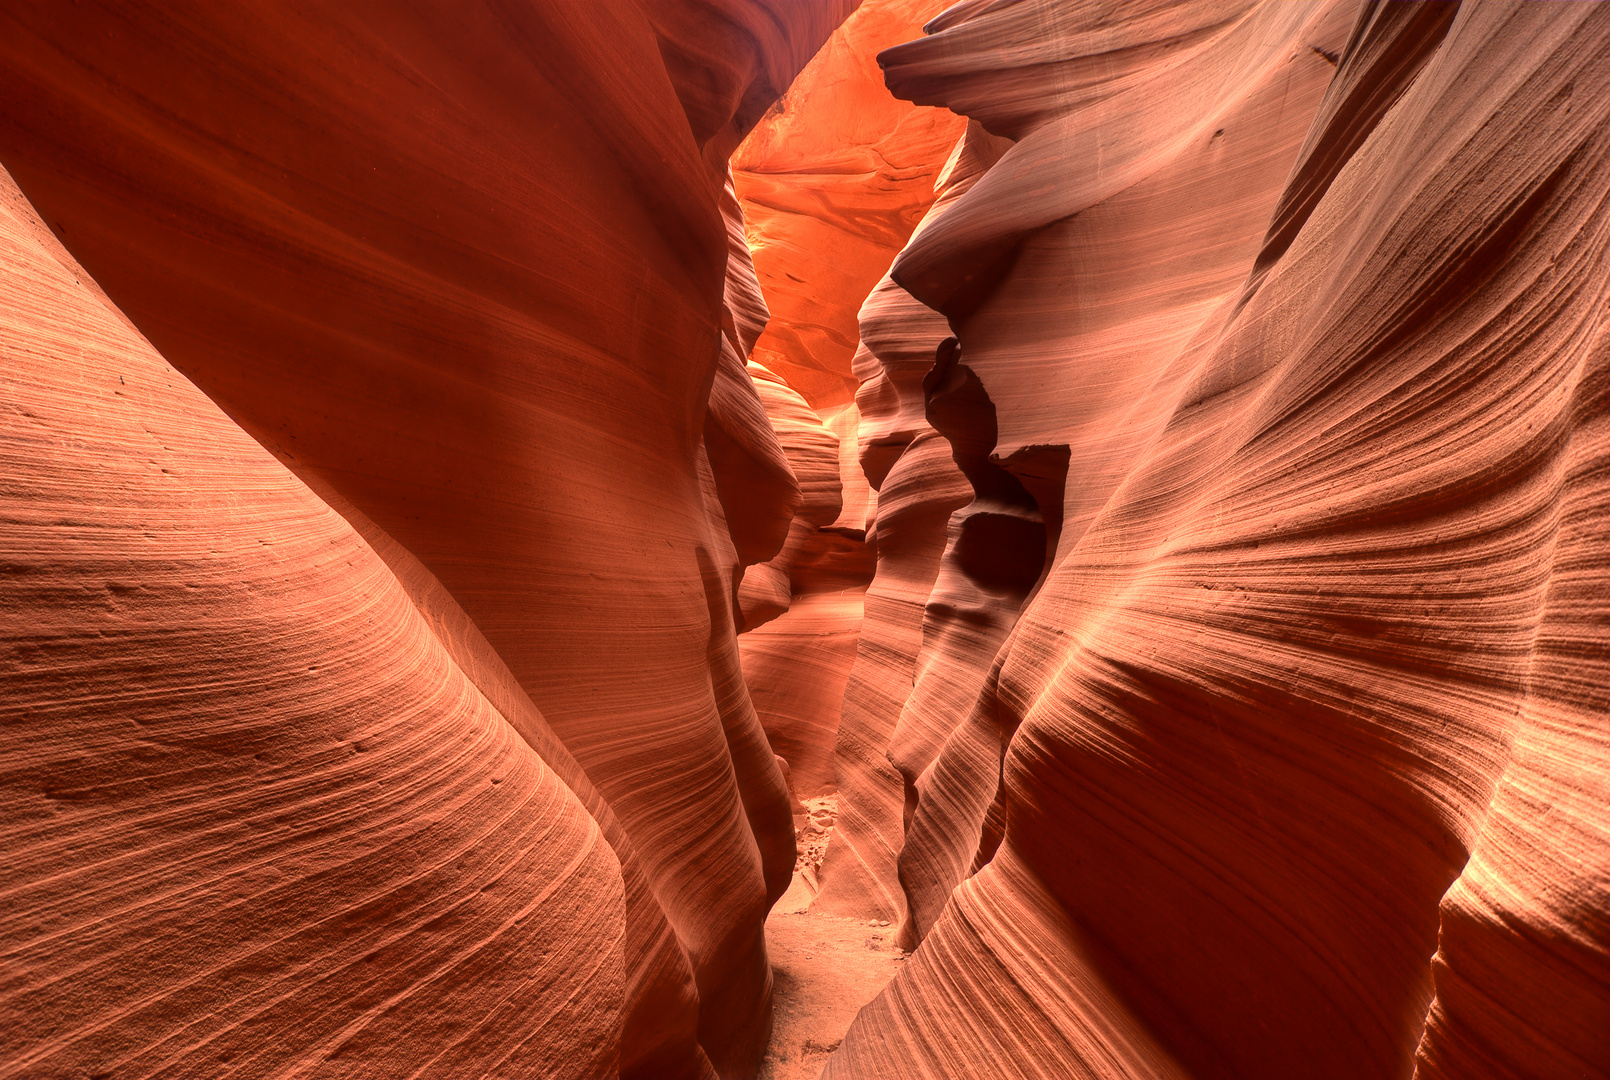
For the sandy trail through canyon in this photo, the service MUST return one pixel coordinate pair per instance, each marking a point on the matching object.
(824, 969)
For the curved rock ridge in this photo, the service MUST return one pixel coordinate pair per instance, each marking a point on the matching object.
(1142, 291)
(661, 1002)
(756, 489)
(755, 484)
(996, 549)
(833, 179)
(257, 819)
(1294, 761)
(812, 453)
(468, 275)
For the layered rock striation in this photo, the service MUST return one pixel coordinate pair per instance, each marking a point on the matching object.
(258, 817)
(1292, 760)
(462, 779)
(466, 476)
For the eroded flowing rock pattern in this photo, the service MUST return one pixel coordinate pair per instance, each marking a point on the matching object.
(1142, 290)
(1228, 695)
(257, 820)
(919, 486)
(467, 273)
(801, 610)
(833, 180)
(1301, 740)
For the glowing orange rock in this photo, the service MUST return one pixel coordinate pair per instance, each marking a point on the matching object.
(832, 181)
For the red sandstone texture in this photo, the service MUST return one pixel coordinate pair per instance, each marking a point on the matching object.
(919, 486)
(463, 779)
(833, 179)
(1229, 696)
(801, 610)
(1293, 759)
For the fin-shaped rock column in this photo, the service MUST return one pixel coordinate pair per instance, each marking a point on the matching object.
(465, 273)
(919, 486)
(1304, 752)
(1134, 308)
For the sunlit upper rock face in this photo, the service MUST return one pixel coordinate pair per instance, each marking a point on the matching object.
(396, 430)
(833, 179)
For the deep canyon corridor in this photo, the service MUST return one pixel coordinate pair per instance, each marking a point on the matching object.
(794, 539)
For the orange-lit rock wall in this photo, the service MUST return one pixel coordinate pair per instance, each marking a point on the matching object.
(457, 495)
(832, 180)
(1293, 760)
(465, 273)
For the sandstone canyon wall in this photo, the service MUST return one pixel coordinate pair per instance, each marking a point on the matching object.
(464, 779)
(458, 493)
(1291, 757)
(833, 179)
(831, 182)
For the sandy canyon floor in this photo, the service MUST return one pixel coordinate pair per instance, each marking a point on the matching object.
(824, 969)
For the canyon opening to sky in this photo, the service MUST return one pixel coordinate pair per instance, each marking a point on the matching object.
(713, 539)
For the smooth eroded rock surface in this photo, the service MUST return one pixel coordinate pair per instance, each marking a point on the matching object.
(470, 272)
(1112, 497)
(256, 817)
(1301, 741)
(833, 179)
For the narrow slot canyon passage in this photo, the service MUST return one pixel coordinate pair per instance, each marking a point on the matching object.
(831, 183)
(805, 540)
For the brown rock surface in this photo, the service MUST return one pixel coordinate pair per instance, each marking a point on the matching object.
(920, 487)
(257, 819)
(811, 450)
(796, 667)
(1304, 755)
(465, 271)
(801, 609)
(1193, 638)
